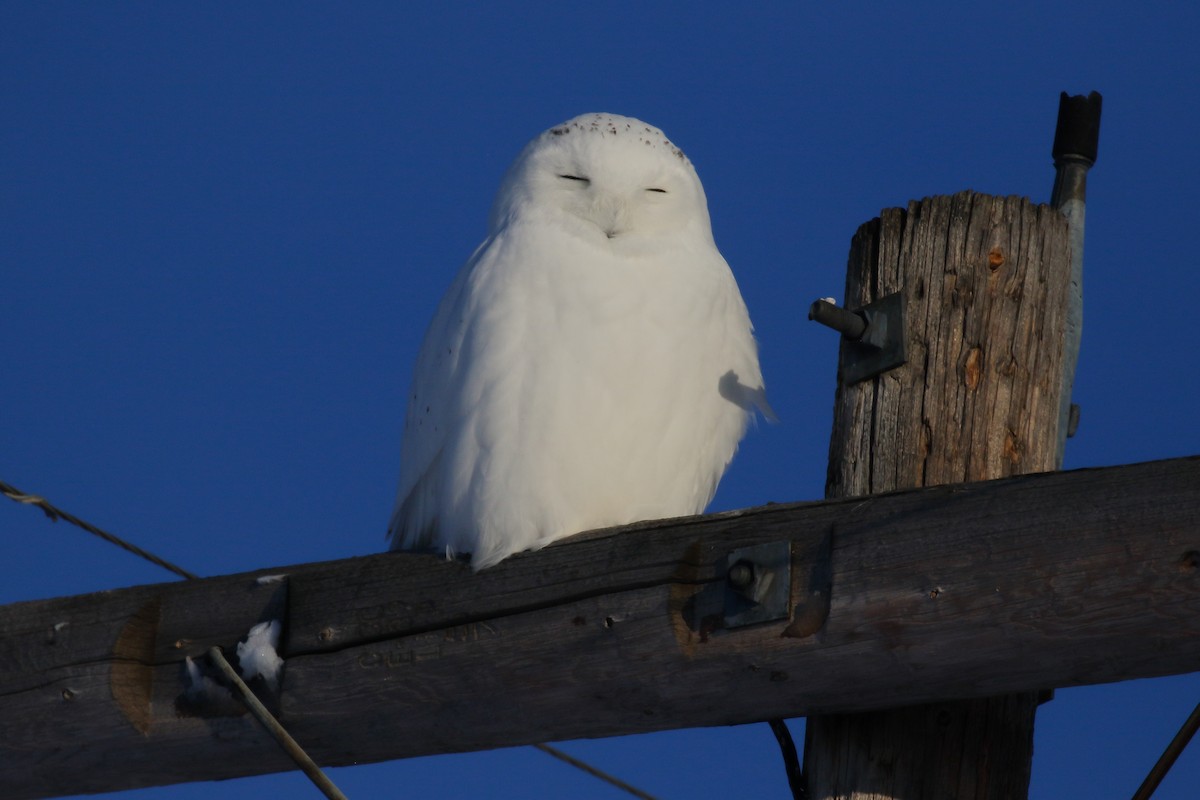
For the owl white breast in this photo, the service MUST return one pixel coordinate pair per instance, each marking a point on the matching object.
(593, 362)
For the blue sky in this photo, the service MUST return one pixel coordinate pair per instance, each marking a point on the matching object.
(225, 227)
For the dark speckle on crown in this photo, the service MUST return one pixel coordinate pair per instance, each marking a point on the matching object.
(601, 124)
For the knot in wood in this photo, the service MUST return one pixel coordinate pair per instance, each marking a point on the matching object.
(973, 370)
(1012, 448)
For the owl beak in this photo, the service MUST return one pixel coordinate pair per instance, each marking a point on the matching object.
(608, 214)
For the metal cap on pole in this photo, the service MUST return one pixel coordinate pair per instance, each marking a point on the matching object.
(1076, 144)
(1077, 135)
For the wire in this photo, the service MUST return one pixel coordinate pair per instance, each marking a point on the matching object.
(55, 514)
(1167, 759)
(251, 702)
(290, 746)
(589, 769)
(791, 762)
(270, 723)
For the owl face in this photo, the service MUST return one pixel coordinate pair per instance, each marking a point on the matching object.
(605, 177)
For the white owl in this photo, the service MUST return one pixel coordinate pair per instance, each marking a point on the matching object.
(593, 363)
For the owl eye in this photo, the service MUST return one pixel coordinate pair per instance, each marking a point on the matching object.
(656, 189)
(575, 178)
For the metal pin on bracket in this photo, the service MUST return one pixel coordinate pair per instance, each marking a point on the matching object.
(758, 584)
(873, 336)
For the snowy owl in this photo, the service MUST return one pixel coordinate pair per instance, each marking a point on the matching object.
(592, 364)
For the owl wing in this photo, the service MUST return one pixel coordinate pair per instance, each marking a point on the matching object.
(431, 417)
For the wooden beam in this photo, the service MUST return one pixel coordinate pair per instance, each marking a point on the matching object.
(1056, 579)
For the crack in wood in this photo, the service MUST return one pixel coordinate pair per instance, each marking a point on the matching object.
(475, 619)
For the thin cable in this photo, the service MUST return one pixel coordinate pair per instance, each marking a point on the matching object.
(273, 727)
(276, 730)
(589, 769)
(55, 514)
(1167, 759)
(251, 702)
(791, 761)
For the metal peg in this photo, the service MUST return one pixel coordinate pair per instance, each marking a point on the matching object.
(741, 575)
(847, 323)
(873, 336)
(758, 584)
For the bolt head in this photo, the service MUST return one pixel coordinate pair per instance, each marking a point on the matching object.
(741, 575)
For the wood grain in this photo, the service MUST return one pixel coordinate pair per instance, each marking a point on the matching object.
(985, 282)
(937, 594)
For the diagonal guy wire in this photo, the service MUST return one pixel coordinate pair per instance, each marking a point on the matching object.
(55, 514)
(272, 726)
(589, 769)
(1167, 759)
(251, 702)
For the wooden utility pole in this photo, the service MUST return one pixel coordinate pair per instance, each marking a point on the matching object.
(984, 283)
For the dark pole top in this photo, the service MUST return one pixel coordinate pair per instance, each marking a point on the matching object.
(1077, 136)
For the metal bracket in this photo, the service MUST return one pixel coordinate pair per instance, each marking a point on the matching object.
(873, 335)
(758, 584)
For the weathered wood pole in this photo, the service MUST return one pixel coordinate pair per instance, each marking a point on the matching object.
(984, 282)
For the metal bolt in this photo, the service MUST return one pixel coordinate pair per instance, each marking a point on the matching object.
(741, 575)
(849, 324)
